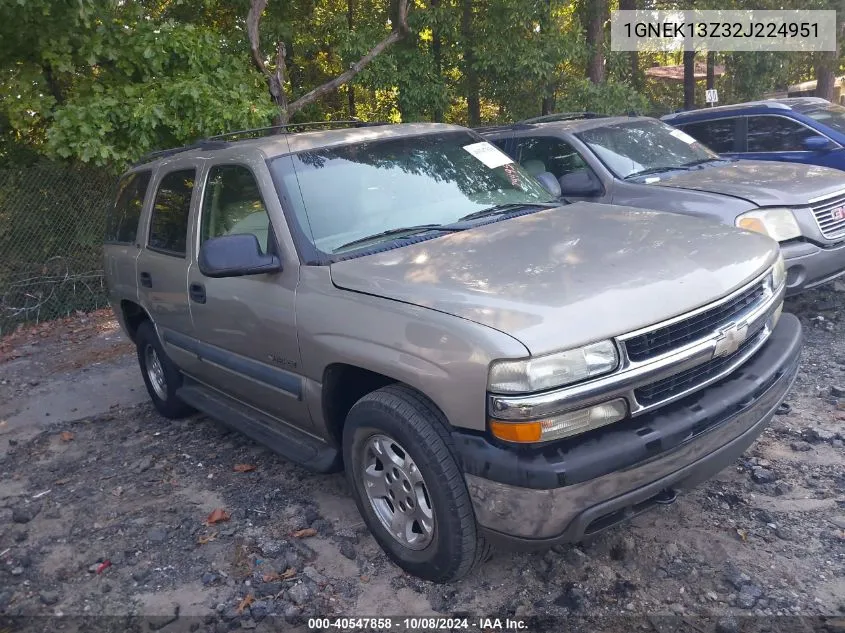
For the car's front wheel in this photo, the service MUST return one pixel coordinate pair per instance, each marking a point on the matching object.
(161, 376)
(408, 486)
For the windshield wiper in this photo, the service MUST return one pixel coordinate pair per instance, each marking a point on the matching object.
(506, 208)
(702, 161)
(402, 231)
(656, 170)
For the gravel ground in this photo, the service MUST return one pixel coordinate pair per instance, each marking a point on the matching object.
(128, 515)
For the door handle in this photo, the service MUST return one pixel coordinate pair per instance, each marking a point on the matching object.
(146, 280)
(197, 292)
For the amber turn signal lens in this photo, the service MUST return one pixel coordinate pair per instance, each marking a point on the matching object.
(753, 224)
(516, 431)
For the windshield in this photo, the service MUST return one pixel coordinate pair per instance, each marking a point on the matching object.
(831, 116)
(348, 193)
(636, 147)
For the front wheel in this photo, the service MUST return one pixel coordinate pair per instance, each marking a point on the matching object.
(161, 376)
(408, 486)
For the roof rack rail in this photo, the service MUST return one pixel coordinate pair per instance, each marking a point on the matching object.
(502, 127)
(281, 129)
(205, 144)
(563, 116)
(220, 141)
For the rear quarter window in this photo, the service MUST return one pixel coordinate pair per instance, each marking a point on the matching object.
(122, 220)
(171, 212)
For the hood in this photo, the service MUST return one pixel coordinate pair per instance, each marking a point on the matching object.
(567, 276)
(764, 183)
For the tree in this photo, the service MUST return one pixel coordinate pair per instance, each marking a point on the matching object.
(276, 76)
(689, 80)
(598, 14)
(711, 70)
(437, 53)
(471, 83)
(633, 56)
(350, 89)
(826, 65)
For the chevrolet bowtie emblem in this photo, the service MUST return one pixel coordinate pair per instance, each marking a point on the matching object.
(730, 338)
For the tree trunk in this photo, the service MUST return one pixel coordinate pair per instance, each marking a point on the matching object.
(437, 54)
(548, 105)
(595, 39)
(633, 56)
(711, 70)
(689, 80)
(826, 64)
(350, 89)
(53, 84)
(470, 72)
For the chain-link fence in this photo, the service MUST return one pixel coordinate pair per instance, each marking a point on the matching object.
(52, 219)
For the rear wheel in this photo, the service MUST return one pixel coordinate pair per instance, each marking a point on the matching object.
(161, 376)
(408, 486)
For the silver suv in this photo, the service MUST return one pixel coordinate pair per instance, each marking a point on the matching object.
(406, 303)
(646, 163)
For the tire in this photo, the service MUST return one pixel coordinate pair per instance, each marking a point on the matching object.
(402, 422)
(163, 391)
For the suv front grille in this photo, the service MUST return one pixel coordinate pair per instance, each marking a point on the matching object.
(830, 216)
(679, 383)
(645, 346)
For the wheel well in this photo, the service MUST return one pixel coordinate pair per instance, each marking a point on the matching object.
(133, 316)
(343, 386)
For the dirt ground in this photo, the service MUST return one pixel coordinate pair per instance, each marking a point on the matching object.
(106, 509)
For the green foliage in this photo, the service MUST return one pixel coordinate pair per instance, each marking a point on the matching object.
(151, 85)
(110, 84)
(103, 81)
(530, 48)
(607, 98)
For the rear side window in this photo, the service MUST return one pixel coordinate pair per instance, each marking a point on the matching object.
(122, 221)
(776, 134)
(171, 209)
(543, 153)
(717, 135)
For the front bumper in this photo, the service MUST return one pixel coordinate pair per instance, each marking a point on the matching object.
(575, 488)
(808, 265)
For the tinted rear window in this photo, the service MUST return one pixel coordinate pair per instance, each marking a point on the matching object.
(718, 135)
(122, 221)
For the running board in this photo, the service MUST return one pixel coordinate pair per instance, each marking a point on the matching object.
(277, 436)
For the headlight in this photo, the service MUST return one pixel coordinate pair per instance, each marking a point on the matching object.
(554, 370)
(779, 224)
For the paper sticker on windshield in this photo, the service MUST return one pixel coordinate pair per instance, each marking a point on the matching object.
(686, 138)
(488, 154)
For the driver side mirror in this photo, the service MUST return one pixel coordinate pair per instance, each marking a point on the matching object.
(235, 256)
(580, 184)
(818, 144)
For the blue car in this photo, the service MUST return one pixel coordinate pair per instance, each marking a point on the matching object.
(805, 130)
